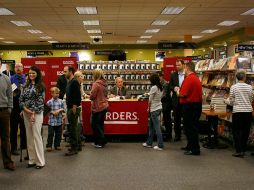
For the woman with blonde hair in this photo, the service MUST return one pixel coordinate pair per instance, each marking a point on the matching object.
(99, 106)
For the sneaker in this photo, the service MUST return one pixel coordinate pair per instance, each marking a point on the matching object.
(147, 145)
(157, 148)
(98, 146)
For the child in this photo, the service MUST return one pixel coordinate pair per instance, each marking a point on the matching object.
(55, 119)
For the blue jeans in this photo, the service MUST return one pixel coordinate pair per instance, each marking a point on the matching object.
(154, 125)
(54, 131)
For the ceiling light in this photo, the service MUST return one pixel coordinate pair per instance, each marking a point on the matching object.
(146, 37)
(9, 42)
(96, 37)
(152, 31)
(181, 41)
(1, 38)
(91, 22)
(96, 31)
(141, 41)
(35, 31)
(228, 23)
(209, 31)
(172, 10)
(196, 37)
(21, 23)
(87, 10)
(249, 12)
(4, 11)
(160, 22)
(53, 42)
(46, 37)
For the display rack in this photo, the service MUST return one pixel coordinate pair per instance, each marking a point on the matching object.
(135, 74)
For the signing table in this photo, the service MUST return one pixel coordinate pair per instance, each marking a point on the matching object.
(123, 117)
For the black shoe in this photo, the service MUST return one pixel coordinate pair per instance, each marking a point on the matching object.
(30, 165)
(177, 139)
(15, 153)
(26, 158)
(252, 154)
(71, 153)
(237, 154)
(192, 153)
(39, 167)
(185, 149)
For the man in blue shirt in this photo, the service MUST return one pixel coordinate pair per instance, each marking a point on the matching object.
(19, 80)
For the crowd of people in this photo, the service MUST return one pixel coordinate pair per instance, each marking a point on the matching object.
(22, 98)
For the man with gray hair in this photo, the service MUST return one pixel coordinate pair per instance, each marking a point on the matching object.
(119, 89)
(6, 104)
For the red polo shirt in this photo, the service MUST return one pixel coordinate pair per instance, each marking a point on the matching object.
(191, 90)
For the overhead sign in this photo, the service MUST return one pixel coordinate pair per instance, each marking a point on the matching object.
(8, 61)
(37, 53)
(244, 47)
(199, 57)
(175, 45)
(70, 45)
(103, 52)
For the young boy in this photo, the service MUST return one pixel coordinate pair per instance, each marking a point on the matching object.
(55, 120)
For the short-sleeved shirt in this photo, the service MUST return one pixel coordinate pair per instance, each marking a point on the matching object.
(55, 104)
(191, 90)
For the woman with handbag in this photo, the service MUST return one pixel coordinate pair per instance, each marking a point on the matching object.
(32, 103)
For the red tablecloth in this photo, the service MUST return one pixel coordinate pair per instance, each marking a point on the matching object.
(123, 117)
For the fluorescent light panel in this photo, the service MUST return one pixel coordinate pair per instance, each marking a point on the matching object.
(152, 30)
(4, 11)
(96, 37)
(249, 12)
(145, 37)
(209, 31)
(87, 10)
(46, 37)
(196, 37)
(160, 22)
(228, 22)
(141, 41)
(91, 22)
(95, 31)
(21, 23)
(35, 31)
(172, 10)
(9, 42)
(52, 42)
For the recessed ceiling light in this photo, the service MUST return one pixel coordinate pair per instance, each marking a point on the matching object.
(46, 37)
(249, 12)
(141, 41)
(87, 10)
(52, 42)
(21, 23)
(4, 11)
(96, 31)
(209, 31)
(145, 37)
(172, 10)
(35, 31)
(91, 22)
(181, 41)
(1, 38)
(9, 42)
(196, 37)
(228, 22)
(160, 22)
(152, 31)
(96, 37)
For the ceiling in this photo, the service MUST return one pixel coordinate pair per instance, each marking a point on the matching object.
(127, 20)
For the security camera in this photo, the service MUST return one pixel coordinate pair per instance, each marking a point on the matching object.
(96, 39)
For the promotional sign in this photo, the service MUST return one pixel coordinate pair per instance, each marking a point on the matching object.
(175, 45)
(70, 45)
(8, 61)
(169, 65)
(244, 47)
(36, 53)
(123, 117)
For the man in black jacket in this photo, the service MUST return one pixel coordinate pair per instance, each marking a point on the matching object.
(176, 80)
(62, 83)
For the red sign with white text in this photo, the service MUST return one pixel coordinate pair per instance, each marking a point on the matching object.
(123, 117)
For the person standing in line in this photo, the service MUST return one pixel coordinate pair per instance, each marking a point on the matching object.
(55, 120)
(154, 109)
(6, 105)
(241, 97)
(166, 106)
(190, 95)
(176, 81)
(8, 71)
(62, 83)
(16, 121)
(73, 101)
(31, 101)
(99, 106)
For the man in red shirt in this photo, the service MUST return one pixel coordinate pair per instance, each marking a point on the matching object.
(191, 99)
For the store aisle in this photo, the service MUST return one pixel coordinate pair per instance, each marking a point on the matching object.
(123, 166)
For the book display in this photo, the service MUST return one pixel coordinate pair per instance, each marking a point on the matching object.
(135, 74)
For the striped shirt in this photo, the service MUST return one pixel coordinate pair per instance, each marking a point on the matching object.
(241, 97)
(55, 104)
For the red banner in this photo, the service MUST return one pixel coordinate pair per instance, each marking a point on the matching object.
(123, 117)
